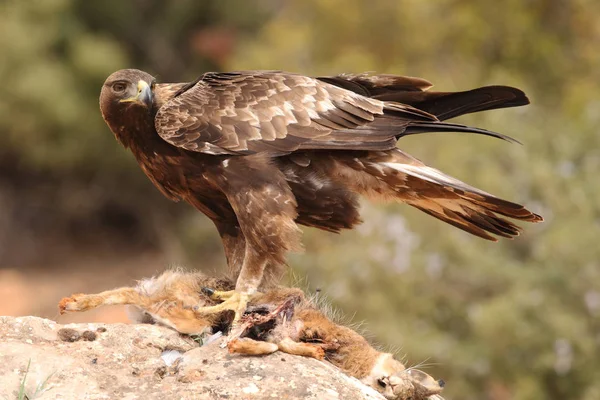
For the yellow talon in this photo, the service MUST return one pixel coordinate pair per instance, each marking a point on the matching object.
(231, 300)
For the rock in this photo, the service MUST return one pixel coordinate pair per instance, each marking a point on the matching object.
(122, 361)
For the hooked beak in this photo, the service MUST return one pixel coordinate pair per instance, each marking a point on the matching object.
(143, 97)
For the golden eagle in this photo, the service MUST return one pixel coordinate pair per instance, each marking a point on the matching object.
(259, 152)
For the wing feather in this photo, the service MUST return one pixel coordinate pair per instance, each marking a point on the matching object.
(415, 92)
(248, 112)
(252, 111)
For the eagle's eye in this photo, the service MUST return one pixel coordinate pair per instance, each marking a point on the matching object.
(119, 87)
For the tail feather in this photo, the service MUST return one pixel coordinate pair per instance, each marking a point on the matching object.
(455, 202)
(503, 207)
(474, 218)
(455, 220)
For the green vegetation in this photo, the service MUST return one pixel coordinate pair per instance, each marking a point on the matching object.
(39, 389)
(510, 320)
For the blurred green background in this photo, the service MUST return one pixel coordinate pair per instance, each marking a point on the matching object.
(511, 320)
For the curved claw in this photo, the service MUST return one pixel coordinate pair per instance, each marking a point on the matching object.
(207, 291)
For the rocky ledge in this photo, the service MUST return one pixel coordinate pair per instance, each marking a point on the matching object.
(46, 360)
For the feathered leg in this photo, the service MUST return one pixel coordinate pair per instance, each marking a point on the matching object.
(265, 209)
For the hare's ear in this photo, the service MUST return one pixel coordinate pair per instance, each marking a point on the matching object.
(424, 384)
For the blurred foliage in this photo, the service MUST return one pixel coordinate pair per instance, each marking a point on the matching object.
(511, 320)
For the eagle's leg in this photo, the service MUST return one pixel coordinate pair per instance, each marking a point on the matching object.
(231, 300)
(249, 279)
(245, 263)
(260, 230)
(234, 300)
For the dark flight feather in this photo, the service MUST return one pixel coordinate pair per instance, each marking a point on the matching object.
(414, 92)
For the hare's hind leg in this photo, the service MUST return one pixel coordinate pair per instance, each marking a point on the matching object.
(251, 347)
(287, 345)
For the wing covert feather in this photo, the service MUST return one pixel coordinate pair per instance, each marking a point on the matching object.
(254, 111)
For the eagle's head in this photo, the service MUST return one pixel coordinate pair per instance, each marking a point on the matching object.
(126, 101)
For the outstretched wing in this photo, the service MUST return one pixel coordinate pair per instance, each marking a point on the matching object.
(256, 111)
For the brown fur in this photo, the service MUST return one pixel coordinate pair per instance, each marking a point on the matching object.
(282, 319)
(168, 300)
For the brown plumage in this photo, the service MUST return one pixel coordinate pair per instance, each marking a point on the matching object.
(261, 151)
